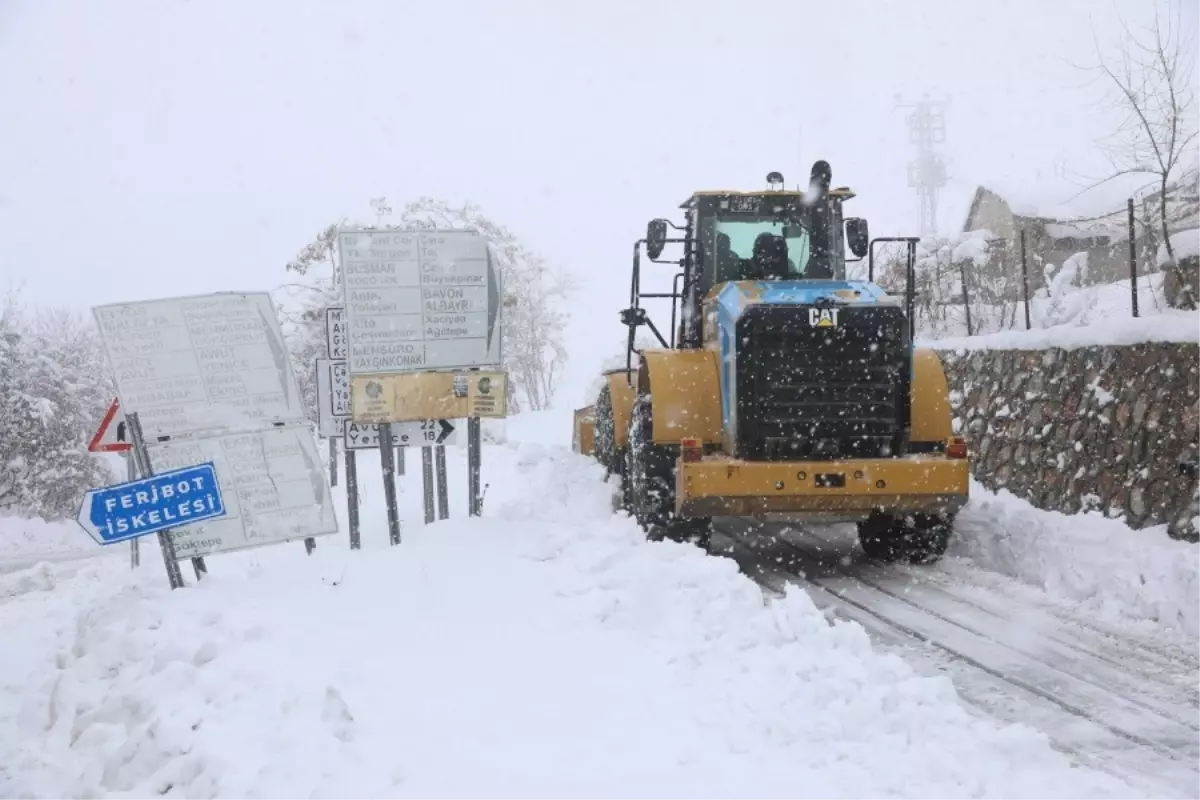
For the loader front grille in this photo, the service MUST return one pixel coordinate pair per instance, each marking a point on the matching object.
(812, 392)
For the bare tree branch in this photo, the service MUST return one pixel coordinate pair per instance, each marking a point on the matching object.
(1152, 83)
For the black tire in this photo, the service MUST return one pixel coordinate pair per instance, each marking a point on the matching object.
(651, 481)
(607, 452)
(916, 538)
(605, 442)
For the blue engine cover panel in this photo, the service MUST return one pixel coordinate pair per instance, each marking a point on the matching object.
(734, 298)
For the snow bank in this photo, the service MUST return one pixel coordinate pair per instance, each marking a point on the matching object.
(22, 536)
(545, 650)
(1121, 573)
(1166, 326)
(1184, 244)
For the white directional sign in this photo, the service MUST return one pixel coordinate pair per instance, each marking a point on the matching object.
(426, 433)
(200, 365)
(329, 425)
(335, 333)
(272, 483)
(419, 300)
(339, 388)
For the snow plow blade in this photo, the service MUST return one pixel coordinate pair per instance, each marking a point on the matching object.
(583, 439)
(820, 491)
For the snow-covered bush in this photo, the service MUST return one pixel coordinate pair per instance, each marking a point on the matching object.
(1063, 300)
(54, 389)
(957, 279)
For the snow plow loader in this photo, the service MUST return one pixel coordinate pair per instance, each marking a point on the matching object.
(784, 391)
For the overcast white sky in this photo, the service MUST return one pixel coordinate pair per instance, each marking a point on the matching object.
(161, 147)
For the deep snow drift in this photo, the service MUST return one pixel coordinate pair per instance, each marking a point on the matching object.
(1100, 563)
(544, 650)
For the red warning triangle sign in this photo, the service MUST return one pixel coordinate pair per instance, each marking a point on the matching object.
(112, 436)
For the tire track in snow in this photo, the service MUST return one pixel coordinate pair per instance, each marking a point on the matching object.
(1149, 743)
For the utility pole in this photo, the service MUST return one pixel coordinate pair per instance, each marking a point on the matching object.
(927, 172)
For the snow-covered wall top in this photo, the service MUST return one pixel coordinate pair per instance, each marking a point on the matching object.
(1089, 428)
(1170, 325)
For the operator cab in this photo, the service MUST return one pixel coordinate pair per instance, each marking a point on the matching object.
(767, 235)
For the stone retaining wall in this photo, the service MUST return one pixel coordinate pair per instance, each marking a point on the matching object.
(1101, 428)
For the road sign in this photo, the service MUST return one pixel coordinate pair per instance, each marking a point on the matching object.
(424, 433)
(335, 333)
(419, 300)
(428, 395)
(274, 486)
(112, 436)
(339, 388)
(329, 425)
(209, 364)
(149, 505)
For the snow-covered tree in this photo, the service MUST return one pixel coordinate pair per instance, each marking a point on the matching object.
(54, 389)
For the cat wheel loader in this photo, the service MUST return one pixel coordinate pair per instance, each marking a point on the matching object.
(784, 390)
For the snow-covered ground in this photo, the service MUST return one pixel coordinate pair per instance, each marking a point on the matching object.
(21, 537)
(546, 649)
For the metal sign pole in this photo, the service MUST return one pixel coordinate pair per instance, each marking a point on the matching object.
(427, 482)
(1025, 280)
(387, 455)
(352, 497)
(333, 470)
(135, 556)
(143, 465)
(1133, 274)
(474, 457)
(962, 272)
(443, 491)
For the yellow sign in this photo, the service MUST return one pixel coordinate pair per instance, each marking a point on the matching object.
(413, 396)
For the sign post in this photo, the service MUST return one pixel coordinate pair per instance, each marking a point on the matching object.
(333, 462)
(352, 497)
(135, 556)
(142, 462)
(427, 482)
(387, 455)
(474, 458)
(443, 492)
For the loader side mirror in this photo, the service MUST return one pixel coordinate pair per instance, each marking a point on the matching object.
(656, 237)
(857, 236)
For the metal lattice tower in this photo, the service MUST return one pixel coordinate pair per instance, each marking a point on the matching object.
(927, 172)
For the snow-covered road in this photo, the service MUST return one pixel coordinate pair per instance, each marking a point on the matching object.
(1116, 697)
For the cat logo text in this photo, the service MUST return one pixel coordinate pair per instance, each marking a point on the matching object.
(823, 317)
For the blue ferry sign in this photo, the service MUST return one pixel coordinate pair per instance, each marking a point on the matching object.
(149, 505)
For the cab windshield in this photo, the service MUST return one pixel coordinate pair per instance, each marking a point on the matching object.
(743, 246)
